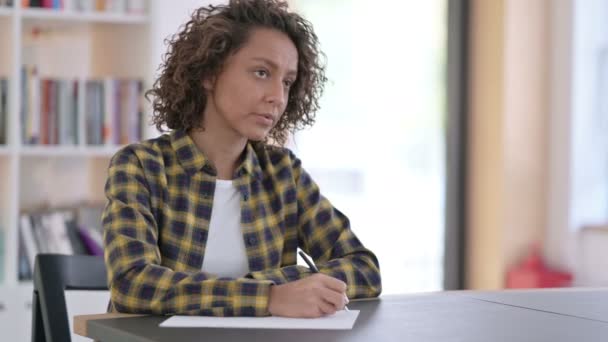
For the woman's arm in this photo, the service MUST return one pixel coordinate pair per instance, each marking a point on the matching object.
(324, 233)
(138, 283)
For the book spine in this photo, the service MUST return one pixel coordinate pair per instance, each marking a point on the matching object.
(44, 111)
(108, 112)
(59, 232)
(24, 271)
(35, 108)
(46, 227)
(92, 245)
(39, 234)
(25, 110)
(136, 6)
(29, 241)
(3, 109)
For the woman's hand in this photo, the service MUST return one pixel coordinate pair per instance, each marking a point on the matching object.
(314, 296)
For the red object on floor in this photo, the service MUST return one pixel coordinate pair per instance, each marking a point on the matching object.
(533, 273)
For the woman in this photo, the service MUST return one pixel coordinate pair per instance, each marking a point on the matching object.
(206, 220)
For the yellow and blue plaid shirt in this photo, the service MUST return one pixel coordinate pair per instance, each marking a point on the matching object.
(156, 221)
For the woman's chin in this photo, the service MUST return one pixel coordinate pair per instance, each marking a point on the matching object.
(257, 136)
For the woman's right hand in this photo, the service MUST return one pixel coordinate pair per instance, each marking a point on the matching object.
(314, 296)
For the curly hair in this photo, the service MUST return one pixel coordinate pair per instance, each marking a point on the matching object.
(203, 44)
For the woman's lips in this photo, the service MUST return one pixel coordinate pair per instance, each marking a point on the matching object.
(265, 119)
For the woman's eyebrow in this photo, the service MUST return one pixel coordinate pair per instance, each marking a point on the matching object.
(274, 65)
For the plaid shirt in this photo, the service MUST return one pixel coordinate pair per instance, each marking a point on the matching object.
(156, 221)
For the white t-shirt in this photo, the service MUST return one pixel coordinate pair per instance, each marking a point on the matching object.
(225, 254)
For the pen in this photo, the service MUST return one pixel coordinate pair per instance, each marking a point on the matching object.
(313, 267)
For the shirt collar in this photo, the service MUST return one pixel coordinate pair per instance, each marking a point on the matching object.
(250, 164)
(189, 156)
(193, 160)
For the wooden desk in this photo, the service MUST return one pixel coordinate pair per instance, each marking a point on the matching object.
(447, 316)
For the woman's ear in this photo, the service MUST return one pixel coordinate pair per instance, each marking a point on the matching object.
(208, 83)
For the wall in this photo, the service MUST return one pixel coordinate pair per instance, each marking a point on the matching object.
(508, 135)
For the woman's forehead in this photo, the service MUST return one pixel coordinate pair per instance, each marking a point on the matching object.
(272, 47)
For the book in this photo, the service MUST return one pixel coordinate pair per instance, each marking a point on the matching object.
(114, 111)
(45, 227)
(91, 240)
(136, 6)
(40, 234)
(78, 245)
(3, 110)
(24, 271)
(49, 113)
(108, 111)
(58, 230)
(115, 6)
(84, 5)
(29, 241)
(68, 112)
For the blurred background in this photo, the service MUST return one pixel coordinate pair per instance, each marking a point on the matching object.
(463, 138)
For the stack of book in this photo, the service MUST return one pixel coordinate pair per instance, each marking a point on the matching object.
(49, 110)
(68, 231)
(3, 109)
(113, 110)
(113, 6)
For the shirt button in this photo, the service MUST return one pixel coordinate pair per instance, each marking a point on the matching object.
(246, 197)
(251, 240)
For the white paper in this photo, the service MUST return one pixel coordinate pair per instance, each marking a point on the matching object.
(341, 320)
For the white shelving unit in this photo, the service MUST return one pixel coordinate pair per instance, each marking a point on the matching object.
(83, 45)
(78, 45)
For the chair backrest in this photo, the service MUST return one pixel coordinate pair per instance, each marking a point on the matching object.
(53, 274)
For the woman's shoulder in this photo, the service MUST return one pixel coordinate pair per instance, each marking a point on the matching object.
(272, 155)
(149, 149)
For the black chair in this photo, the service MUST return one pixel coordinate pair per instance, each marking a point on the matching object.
(53, 274)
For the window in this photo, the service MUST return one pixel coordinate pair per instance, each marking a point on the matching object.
(377, 149)
(587, 114)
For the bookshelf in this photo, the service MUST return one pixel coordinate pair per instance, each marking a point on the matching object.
(82, 46)
(64, 49)
(70, 47)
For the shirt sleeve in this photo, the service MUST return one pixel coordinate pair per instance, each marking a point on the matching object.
(324, 233)
(138, 282)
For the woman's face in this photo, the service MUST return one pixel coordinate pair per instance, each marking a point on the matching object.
(250, 94)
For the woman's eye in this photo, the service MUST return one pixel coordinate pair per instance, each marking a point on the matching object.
(261, 73)
(288, 83)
